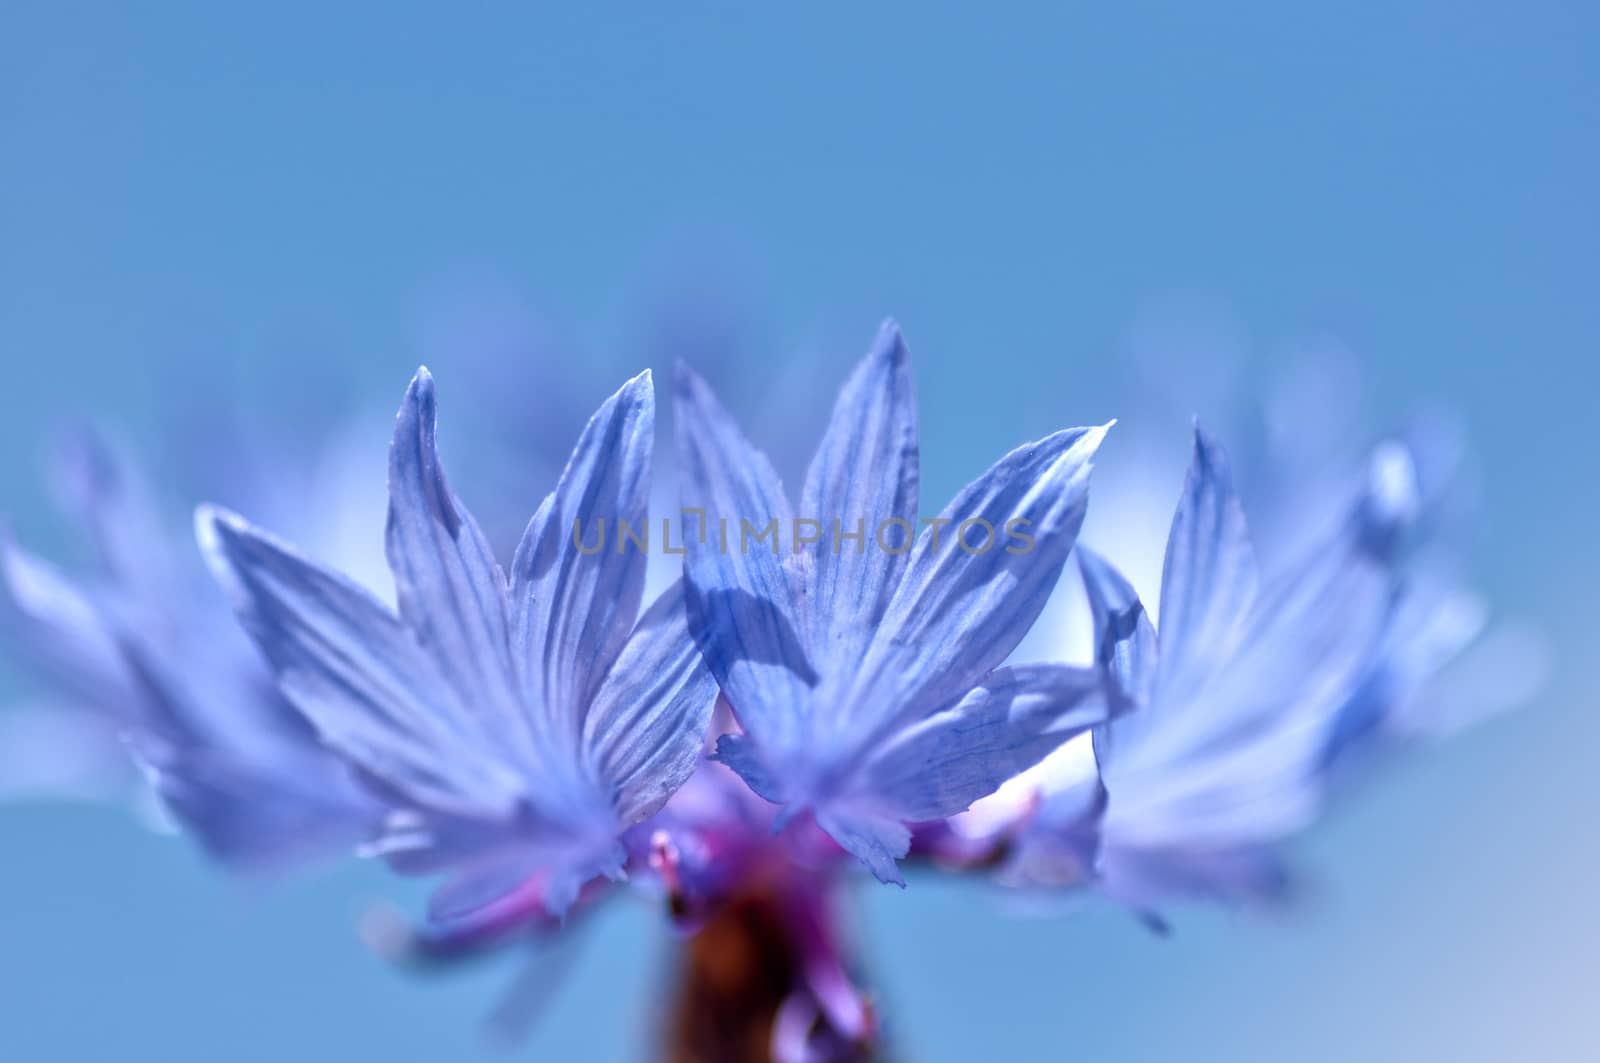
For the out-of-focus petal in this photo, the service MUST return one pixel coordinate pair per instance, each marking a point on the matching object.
(102, 490)
(1208, 579)
(501, 889)
(358, 674)
(1146, 879)
(65, 635)
(527, 999)
(245, 776)
(249, 817)
(1452, 682)
(1239, 761)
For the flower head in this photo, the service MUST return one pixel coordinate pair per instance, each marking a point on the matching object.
(520, 725)
(1234, 700)
(861, 658)
(1305, 454)
(144, 653)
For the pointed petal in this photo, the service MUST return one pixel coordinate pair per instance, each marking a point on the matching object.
(358, 675)
(572, 608)
(864, 471)
(103, 491)
(647, 727)
(959, 612)
(744, 610)
(1000, 729)
(1141, 879)
(1208, 579)
(1124, 639)
(449, 590)
(62, 633)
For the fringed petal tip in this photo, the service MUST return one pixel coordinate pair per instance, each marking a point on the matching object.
(877, 841)
(739, 753)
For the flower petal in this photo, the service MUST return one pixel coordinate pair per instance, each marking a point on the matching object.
(358, 675)
(865, 470)
(1000, 729)
(1239, 761)
(874, 839)
(959, 612)
(572, 608)
(250, 815)
(1124, 639)
(104, 493)
(449, 590)
(61, 632)
(499, 890)
(647, 726)
(1208, 578)
(740, 754)
(744, 610)
(1142, 879)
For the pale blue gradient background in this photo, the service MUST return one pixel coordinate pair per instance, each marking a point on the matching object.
(276, 199)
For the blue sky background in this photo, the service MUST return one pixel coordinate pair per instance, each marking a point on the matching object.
(277, 203)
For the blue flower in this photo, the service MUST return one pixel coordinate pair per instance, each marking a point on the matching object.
(1222, 755)
(520, 725)
(146, 654)
(1442, 665)
(861, 659)
(1311, 482)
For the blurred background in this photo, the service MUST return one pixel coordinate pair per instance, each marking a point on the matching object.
(209, 214)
